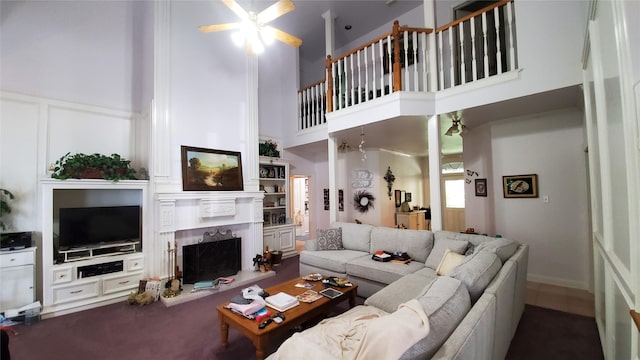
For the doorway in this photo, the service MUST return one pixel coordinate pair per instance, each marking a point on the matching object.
(453, 198)
(300, 206)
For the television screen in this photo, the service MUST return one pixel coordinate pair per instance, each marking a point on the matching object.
(80, 227)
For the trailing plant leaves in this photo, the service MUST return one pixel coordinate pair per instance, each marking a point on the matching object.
(112, 167)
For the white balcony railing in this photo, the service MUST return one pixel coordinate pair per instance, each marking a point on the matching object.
(474, 47)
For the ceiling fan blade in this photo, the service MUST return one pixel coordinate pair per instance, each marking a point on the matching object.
(276, 10)
(219, 27)
(236, 8)
(285, 37)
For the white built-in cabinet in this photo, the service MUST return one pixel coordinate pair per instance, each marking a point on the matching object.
(279, 230)
(17, 278)
(612, 111)
(89, 280)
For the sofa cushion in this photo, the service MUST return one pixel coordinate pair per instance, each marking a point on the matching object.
(477, 271)
(416, 243)
(446, 302)
(355, 236)
(402, 290)
(473, 239)
(382, 272)
(449, 261)
(502, 247)
(440, 246)
(329, 259)
(329, 239)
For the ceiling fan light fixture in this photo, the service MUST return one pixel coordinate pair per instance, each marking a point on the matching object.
(238, 38)
(267, 35)
(463, 130)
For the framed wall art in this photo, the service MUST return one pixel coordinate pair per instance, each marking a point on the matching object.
(211, 170)
(520, 186)
(326, 198)
(481, 187)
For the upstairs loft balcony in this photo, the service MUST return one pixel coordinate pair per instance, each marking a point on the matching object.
(399, 73)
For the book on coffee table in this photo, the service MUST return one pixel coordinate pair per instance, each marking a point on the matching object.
(281, 301)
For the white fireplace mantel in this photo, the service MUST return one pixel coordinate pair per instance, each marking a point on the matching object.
(178, 211)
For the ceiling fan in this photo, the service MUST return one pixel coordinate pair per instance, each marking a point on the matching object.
(457, 127)
(253, 29)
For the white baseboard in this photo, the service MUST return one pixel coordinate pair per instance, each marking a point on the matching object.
(559, 282)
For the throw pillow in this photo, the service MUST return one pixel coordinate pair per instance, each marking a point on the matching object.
(449, 261)
(476, 272)
(329, 239)
(502, 247)
(440, 246)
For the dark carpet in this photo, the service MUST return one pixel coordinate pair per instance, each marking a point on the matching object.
(551, 334)
(191, 331)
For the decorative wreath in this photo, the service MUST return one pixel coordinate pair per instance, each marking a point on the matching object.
(363, 200)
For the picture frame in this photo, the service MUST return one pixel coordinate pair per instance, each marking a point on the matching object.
(340, 200)
(210, 169)
(398, 197)
(326, 198)
(520, 186)
(481, 187)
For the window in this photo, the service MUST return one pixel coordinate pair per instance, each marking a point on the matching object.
(454, 190)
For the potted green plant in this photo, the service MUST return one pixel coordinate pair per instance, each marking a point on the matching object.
(93, 166)
(5, 197)
(268, 148)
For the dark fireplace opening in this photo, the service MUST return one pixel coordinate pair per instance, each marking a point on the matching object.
(208, 261)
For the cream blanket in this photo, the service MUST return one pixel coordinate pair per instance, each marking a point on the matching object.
(365, 332)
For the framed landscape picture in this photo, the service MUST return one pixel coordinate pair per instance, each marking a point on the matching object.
(211, 170)
(520, 186)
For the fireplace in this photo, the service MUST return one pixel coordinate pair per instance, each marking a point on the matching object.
(210, 260)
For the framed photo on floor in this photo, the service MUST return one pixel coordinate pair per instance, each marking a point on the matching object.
(211, 170)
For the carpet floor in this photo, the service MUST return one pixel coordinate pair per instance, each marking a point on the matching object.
(191, 331)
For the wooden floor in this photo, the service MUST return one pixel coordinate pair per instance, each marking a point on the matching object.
(560, 298)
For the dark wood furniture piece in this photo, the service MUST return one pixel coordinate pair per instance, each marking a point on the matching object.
(293, 317)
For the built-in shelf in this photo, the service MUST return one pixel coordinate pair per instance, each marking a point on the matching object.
(99, 250)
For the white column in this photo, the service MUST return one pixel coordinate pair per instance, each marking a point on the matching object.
(435, 166)
(250, 164)
(329, 31)
(333, 194)
(160, 118)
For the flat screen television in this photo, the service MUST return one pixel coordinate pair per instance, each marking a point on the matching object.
(82, 227)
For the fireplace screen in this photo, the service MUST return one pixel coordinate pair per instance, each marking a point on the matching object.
(210, 260)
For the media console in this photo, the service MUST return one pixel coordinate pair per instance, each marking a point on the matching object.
(85, 277)
(99, 269)
(91, 251)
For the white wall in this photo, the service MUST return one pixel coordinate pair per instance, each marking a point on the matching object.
(551, 146)
(477, 157)
(85, 52)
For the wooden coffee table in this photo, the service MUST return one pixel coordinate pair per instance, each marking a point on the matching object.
(293, 317)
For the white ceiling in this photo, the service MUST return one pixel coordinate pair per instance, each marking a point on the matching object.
(307, 23)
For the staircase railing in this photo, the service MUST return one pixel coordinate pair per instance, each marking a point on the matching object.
(474, 47)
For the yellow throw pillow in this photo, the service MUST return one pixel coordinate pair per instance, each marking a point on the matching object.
(449, 261)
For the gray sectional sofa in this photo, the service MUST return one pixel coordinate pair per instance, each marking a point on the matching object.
(473, 309)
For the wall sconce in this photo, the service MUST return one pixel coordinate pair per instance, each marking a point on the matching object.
(389, 178)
